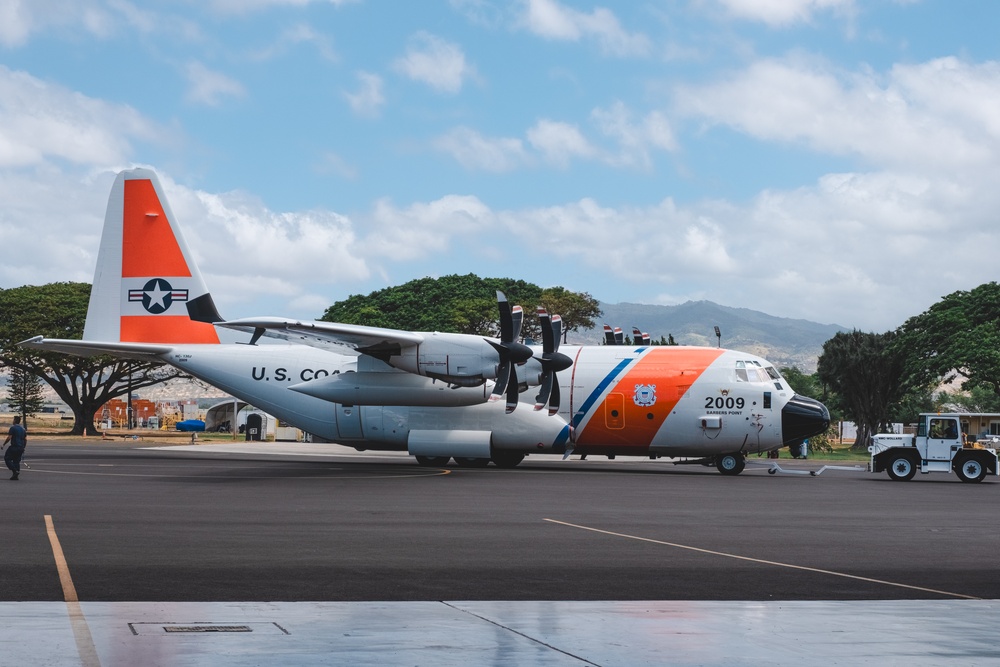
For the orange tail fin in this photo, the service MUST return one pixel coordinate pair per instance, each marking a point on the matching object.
(147, 288)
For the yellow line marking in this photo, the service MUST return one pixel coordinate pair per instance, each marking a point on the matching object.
(81, 631)
(765, 562)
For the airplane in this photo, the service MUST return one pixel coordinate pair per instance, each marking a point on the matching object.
(438, 396)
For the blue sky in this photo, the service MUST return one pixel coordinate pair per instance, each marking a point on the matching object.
(834, 160)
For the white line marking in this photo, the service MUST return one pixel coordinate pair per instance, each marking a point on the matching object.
(765, 562)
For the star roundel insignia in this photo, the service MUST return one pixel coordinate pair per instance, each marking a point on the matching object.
(645, 395)
(157, 296)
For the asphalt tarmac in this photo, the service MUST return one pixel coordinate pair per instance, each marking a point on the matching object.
(177, 525)
(315, 534)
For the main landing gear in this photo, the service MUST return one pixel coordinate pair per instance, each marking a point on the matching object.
(730, 464)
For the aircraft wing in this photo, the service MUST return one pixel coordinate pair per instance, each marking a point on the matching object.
(375, 341)
(91, 348)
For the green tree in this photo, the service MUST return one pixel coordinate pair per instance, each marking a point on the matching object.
(957, 336)
(24, 393)
(453, 304)
(578, 310)
(58, 310)
(801, 383)
(864, 371)
(978, 399)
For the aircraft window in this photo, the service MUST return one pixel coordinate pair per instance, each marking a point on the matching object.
(741, 372)
(775, 375)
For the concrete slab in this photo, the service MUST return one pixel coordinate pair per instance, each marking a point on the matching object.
(887, 632)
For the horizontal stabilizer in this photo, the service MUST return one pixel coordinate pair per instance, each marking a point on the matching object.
(92, 348)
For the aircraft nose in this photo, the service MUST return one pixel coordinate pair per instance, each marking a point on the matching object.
(803, 418)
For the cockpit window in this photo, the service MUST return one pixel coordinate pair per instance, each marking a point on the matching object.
(741, 372)
(754, 371)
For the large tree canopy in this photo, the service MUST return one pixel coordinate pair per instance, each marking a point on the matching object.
(864, 371)
(959, 335)
(461, 304)
(59, 310)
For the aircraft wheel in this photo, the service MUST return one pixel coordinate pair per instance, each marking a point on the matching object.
(730, 464)
(970, 469)
(506, 459)
(901, 468)
(469, 462)
(433, 461)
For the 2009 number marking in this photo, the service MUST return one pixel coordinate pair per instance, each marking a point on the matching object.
(724, 402)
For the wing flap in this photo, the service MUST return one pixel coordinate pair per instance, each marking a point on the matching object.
(375, 341)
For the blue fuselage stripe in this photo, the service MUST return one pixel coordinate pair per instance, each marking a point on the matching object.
(599, 391)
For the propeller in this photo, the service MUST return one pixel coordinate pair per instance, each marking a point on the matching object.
(511, 352)
(552, 361)
(640, 337)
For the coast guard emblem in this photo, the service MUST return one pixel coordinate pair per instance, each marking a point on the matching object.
(645, 395)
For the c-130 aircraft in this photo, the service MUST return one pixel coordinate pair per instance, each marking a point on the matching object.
(435, 395)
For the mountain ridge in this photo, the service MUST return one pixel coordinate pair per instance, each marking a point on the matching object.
(781, 340)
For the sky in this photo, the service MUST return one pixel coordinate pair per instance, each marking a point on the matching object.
(831, 160)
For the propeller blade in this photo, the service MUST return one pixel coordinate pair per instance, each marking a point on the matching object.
(551, 361)
(506, 320)
(510, 352)
(609, 335)
(619, 336)
(546, 323)
(640, 337)
(554, 398)
(511, 390)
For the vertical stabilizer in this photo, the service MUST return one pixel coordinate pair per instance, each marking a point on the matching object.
(147, 288)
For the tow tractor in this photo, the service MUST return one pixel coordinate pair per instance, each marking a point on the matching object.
(938, 446)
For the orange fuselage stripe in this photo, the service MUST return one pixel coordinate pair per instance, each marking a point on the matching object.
(618, 420)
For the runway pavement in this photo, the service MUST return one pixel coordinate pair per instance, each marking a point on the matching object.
(192, 533)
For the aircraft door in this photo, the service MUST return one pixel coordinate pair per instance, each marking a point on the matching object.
(349, 421)
(614, 413)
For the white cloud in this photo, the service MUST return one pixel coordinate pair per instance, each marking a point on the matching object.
(422, 229)
(301, 33)
(435, 62)
(474, 151)
(779, 13)
(559, 142)
(938, 115)
(250, 6)
(368, 100)
(208, 87)
(634, 139)
(20, 20)
(553, 20)
(41, 121)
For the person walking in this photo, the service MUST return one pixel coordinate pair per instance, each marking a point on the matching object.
(18, 439)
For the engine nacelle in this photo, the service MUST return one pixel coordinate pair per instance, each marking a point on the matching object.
(461, 359)
(391, 388)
